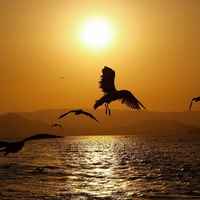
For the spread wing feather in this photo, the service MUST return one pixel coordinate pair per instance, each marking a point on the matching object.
(191, 104)
(196, 99)
(107, 80)
(4, 144)
(63, 115)
(89, 115)
(41, 136)
(129, 99)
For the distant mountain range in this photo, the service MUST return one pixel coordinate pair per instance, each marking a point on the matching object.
(16, 125)
(22, 124)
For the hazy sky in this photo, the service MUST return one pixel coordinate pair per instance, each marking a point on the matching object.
(154, 48)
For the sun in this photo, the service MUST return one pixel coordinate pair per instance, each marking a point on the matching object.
(96, 33)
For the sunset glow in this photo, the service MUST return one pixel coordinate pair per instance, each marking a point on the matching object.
(100, 99)
(152, 46)
(96, 33)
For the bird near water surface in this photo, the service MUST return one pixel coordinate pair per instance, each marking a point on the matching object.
(14, 147)
(196, 99)
(111, 94)
(78, 112)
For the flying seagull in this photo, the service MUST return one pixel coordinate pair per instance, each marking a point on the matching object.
(78, 112)
(14, 147)
(111, 94)
(196, 99)
(62, 77)
(56, 125)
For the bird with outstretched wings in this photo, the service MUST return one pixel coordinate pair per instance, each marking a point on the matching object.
(56, 125)
(14, 147)
(78, 112)
(107, 85)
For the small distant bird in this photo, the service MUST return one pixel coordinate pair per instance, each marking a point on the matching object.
(196, 99)
(78, 112)
(41, 169)
(56, 125)
(62, 77)
(111, 94)
(14, 147)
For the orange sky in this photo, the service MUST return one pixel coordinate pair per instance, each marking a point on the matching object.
(155, 51)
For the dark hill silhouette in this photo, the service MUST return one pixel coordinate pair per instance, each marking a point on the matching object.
(119, 118)
(146, 127)
(121, 122)
(12, 124)
(158, 127)
(194, 131)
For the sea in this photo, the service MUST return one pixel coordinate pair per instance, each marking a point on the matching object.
(103, 168)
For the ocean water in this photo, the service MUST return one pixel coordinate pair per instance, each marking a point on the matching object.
(103, 167)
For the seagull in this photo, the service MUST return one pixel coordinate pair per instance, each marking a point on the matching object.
(14, 147)
(78, 112)
(111, 94)
(62, 77)
(196, 99)
(56, 125)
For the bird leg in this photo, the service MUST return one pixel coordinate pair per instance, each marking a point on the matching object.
(107, 109)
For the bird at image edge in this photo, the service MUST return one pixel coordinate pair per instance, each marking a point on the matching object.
(14, 147)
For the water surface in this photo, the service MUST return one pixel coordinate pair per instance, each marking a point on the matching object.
(103, 167)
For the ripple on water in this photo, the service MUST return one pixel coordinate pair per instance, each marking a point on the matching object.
(103, 168)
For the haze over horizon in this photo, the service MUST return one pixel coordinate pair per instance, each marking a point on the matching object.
(122, 122)
(153, 46)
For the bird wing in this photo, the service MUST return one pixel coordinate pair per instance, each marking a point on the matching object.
(56, 125)
(52, 126)
(130, 100)
(107, 80)
(191, 104)
(90, 115)
(60, 126)
(196, 99)
(63, 115)
(41, 136)
(4, 144)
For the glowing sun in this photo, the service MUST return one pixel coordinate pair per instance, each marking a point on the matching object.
(96, 33)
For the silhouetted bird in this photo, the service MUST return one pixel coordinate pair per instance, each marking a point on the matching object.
(41, 169)
(14, 147)
(196, 99)
(111, 94)
(78, 112)
(56, 125)
(62, 77)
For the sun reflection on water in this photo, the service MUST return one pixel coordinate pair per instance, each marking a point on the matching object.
(100, 161)
(103, 168)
